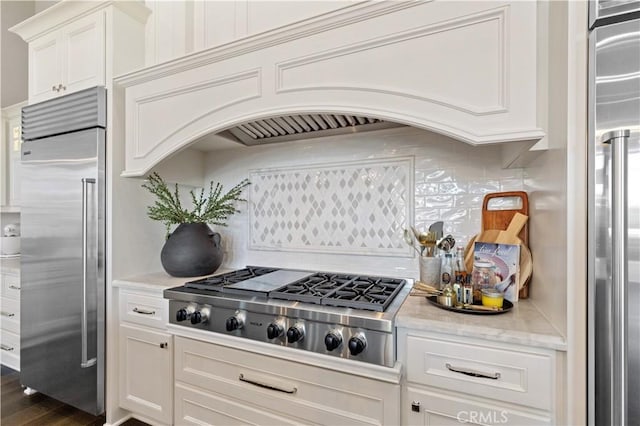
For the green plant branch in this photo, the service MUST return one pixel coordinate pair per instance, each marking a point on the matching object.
(213, 208)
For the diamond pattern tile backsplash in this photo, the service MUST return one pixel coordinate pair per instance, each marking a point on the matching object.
(354, 208)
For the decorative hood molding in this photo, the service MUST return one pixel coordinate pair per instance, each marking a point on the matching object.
(467, 70)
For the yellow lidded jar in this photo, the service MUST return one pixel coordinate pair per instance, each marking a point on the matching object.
(492, 298)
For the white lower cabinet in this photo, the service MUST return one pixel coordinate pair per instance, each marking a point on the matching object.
(453, 380)
(145, 372)
(10, 320)
(146, 381)
(220, 385)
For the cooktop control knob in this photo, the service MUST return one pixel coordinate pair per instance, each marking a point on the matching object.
(274, 330)
(333, 340)
(200, 316)
(295, 333)
(196, 317)
(235, 322)
(184, 313)
(357, 344)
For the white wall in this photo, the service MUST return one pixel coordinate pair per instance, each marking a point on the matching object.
(450, 177)
(13, 52)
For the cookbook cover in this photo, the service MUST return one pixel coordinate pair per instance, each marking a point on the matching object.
(497, 265)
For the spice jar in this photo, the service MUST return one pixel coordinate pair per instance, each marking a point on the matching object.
(483, 276)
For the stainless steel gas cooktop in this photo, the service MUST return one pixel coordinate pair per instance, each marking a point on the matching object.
(344, 315)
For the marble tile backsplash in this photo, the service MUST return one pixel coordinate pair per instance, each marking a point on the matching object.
(450, 179)
(359, 207)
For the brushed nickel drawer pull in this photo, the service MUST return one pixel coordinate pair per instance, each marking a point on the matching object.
(7, 314)
(6, 348)
(265, 385)
(143, 311)
(472, 373)
(13, 287)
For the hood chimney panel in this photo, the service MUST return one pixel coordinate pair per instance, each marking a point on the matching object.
(467, 70)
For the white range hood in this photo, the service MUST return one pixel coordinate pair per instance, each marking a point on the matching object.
(468, 70)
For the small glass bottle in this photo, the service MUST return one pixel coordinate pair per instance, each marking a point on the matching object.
(460, 268)
(446, 270)
(457, 289)
(467, 291)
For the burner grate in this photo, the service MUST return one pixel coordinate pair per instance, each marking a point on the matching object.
(216, 282)
(372, 293)
(347, 291)
(311, 289)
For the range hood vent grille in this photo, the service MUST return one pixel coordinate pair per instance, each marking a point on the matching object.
(303, 126)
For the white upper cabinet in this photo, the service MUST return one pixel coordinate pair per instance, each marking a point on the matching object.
(67, 60)
(68, 44)
(469, 70)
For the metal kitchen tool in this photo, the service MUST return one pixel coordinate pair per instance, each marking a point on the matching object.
(428, 240)
(409, 240)
(437, 227)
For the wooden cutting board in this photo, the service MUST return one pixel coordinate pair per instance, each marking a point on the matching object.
(493, 218)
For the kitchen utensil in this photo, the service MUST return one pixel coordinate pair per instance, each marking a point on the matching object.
(437, 227)
(472, 309)
(409, 240)
(428, 240)
(422, 286)
(446, 244)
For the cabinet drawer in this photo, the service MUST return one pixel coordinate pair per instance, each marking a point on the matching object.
(10, 349)
(427, 407)
(10, 315)
(146, 310)
(11, 286)
(196, 407)
(10, 342)
(305, 393)
(505, 375)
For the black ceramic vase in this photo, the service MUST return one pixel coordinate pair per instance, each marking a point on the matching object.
(193, 249)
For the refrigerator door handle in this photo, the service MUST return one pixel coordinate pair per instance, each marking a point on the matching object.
(618, 140)
(85, 363)
(609, 137)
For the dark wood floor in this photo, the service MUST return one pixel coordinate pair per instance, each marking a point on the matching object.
(19, 409)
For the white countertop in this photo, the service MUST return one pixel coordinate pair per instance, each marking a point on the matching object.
(11, 264)
(523, 325)
(158, 281)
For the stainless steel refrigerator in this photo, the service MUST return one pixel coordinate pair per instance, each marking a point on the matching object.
(62, 327)
(614, 213)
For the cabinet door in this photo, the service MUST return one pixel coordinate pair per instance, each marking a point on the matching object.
(44, 67)
(437, 408)
(83, 59)
(146, 373)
